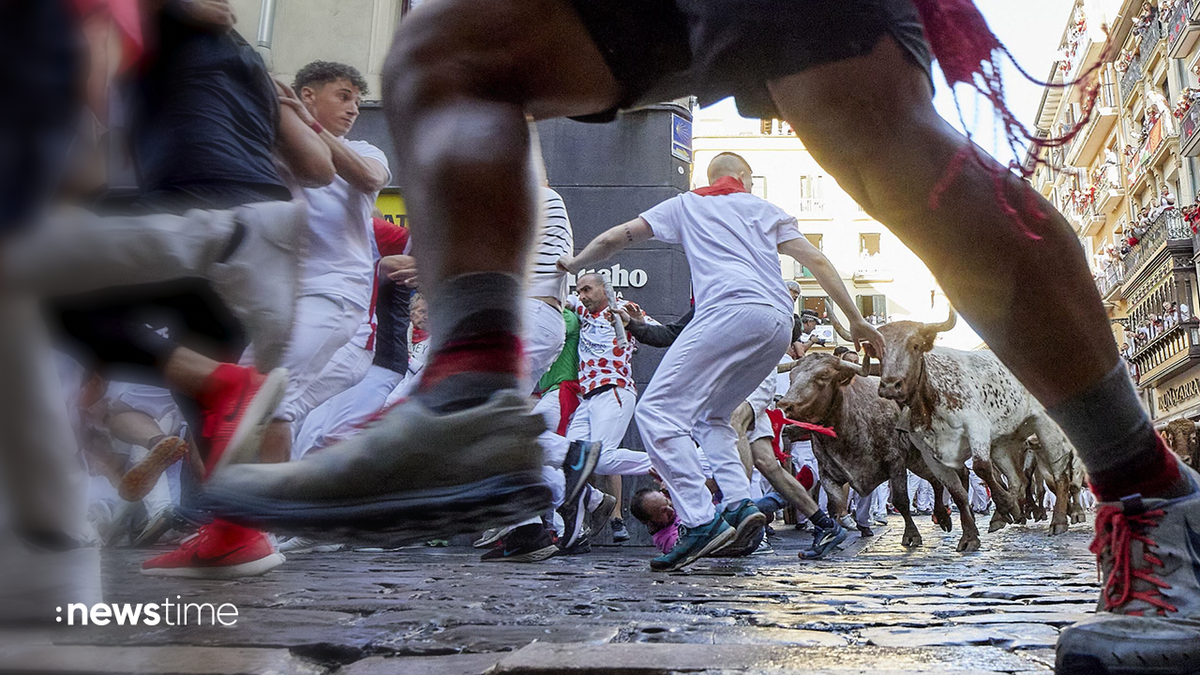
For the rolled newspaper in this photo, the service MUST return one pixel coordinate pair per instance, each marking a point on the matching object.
(619, 327)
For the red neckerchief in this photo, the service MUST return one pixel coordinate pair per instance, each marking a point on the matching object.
(778, 421)
(724, 186)
(419, 336)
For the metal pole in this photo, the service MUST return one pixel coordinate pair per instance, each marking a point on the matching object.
(266, 25)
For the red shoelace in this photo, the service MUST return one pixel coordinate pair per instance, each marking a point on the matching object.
(1115, 533)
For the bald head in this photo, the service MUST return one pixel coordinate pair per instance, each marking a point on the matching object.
(590, 289)
(729, 164)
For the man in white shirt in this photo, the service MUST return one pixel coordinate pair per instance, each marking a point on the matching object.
(339, 263)
(742, 326)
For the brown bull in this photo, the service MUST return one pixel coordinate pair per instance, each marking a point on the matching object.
(868, 449)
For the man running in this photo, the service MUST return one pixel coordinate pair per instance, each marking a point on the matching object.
(742, 325)
(852, 78)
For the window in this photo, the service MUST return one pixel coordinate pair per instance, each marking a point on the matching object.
(812, 197)
(868, 244)
(800, 271)
(817, 304)
(760, 186)
(874, 308)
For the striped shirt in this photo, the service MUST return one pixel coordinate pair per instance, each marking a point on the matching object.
(555, 240)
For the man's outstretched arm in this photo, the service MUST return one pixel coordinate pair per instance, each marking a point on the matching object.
(607, 245)
(827, 276)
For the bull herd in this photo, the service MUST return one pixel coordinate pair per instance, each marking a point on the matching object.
(930, 410)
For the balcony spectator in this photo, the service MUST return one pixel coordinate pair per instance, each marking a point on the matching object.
(1164, 203)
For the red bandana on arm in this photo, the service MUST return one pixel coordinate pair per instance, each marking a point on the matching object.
(969, 52)
(724, 186)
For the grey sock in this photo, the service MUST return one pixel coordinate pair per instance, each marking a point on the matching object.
(1106, 423)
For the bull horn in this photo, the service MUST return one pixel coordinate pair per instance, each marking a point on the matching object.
(787, 367)
(945, 325)
(841, 330)
(856, 367)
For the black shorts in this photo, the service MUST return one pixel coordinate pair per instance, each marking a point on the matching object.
(660, 50)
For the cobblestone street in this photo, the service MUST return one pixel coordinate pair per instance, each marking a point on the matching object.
(872, 608)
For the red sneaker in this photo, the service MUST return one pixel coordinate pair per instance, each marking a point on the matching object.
(219, 550)
(237, 406)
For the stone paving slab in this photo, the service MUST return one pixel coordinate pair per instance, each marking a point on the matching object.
(152, 660)
(440, 608)
(636, 659)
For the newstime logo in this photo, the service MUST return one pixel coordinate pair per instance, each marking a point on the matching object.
(166, 613)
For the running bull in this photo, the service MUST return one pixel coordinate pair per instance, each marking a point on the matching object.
(966, 404)
(868, 449)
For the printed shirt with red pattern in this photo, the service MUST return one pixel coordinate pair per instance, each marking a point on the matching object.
(601, 361)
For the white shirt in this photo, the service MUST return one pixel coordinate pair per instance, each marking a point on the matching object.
(555, 240)
(731, 242)
(340, 259)
(601, 361)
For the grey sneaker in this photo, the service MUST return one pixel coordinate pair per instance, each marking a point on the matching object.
(261, 279)
(411, 475)
(1149, 611)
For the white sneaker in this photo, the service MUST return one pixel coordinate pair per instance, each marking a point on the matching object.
(307, 545)
(261, 279)
(847, 521)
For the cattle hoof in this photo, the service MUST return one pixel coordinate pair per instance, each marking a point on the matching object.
(943, 519)
(997, 524)
(1058, 528)
(1078, 518)
(966, 545)
(911, 540)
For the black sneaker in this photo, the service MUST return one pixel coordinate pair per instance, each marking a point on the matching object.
(824, 540)
(575, 521)
(582, 546)
(578, 467)
(619, 532)
(528, 543)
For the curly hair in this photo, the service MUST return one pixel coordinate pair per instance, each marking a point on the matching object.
(323, 72)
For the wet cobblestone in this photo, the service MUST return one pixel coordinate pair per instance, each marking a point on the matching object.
(874, 607)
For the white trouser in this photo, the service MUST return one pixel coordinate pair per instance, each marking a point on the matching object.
(554, 447)
(977, 491)
(603, 419)
(344, 414)
(920, 492)
(715, 364)
(760, 401)
(155, 402)
(346, 369)
(543, 333)
(324, 324)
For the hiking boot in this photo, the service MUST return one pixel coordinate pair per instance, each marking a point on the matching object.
(140, 479)
(750, 526)
(695, 543)
(411, 475)
(260, 281)
(824, 540)
(219, 550)
(620, 533)
(578, 467)
(528, 543)
(1149, 610)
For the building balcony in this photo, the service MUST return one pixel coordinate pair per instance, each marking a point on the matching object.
(1166, 355)
(1109, 191)
(1090, 139)
(1109, 281)
(1168, 228)
(813, 208)
(1182, 29)
(1158, 140)
(1194, 11)
(1151, 37)
(1189, 131)
(1130, 79)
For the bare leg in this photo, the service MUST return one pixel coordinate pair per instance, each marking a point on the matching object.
(134, 427)
(870, 122)
(614, 485)
(783, 482)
